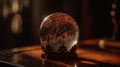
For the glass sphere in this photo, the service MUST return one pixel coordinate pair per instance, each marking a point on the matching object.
(59, 32)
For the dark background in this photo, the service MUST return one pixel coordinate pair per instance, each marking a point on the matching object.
(92, 16)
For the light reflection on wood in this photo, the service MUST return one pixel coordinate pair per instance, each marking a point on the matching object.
(36, 54)
(98, 56)
(88, 62)
(85, 53)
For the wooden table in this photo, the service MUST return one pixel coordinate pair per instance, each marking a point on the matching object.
(30, 56)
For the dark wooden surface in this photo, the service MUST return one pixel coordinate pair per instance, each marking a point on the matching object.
(30, 56)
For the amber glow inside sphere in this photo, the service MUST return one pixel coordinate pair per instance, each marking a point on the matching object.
(59, 30)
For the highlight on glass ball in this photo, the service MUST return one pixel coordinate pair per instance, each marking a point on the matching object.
(59, 35)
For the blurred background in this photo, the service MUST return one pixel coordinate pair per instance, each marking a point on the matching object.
(20, 19)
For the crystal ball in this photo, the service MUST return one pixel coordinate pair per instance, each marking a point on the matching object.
(59, 33)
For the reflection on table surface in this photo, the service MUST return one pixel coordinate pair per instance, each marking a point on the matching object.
(30, 56)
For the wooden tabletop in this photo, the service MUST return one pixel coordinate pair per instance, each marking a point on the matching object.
(30, 56)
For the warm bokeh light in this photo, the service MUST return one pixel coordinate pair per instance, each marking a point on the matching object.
(16, 25)
(5, 11)
(114, 5)
(15, 6)
(101, 43)
(75, 65)
(112, 13)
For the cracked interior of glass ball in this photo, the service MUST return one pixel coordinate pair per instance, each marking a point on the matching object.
(58, 32)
